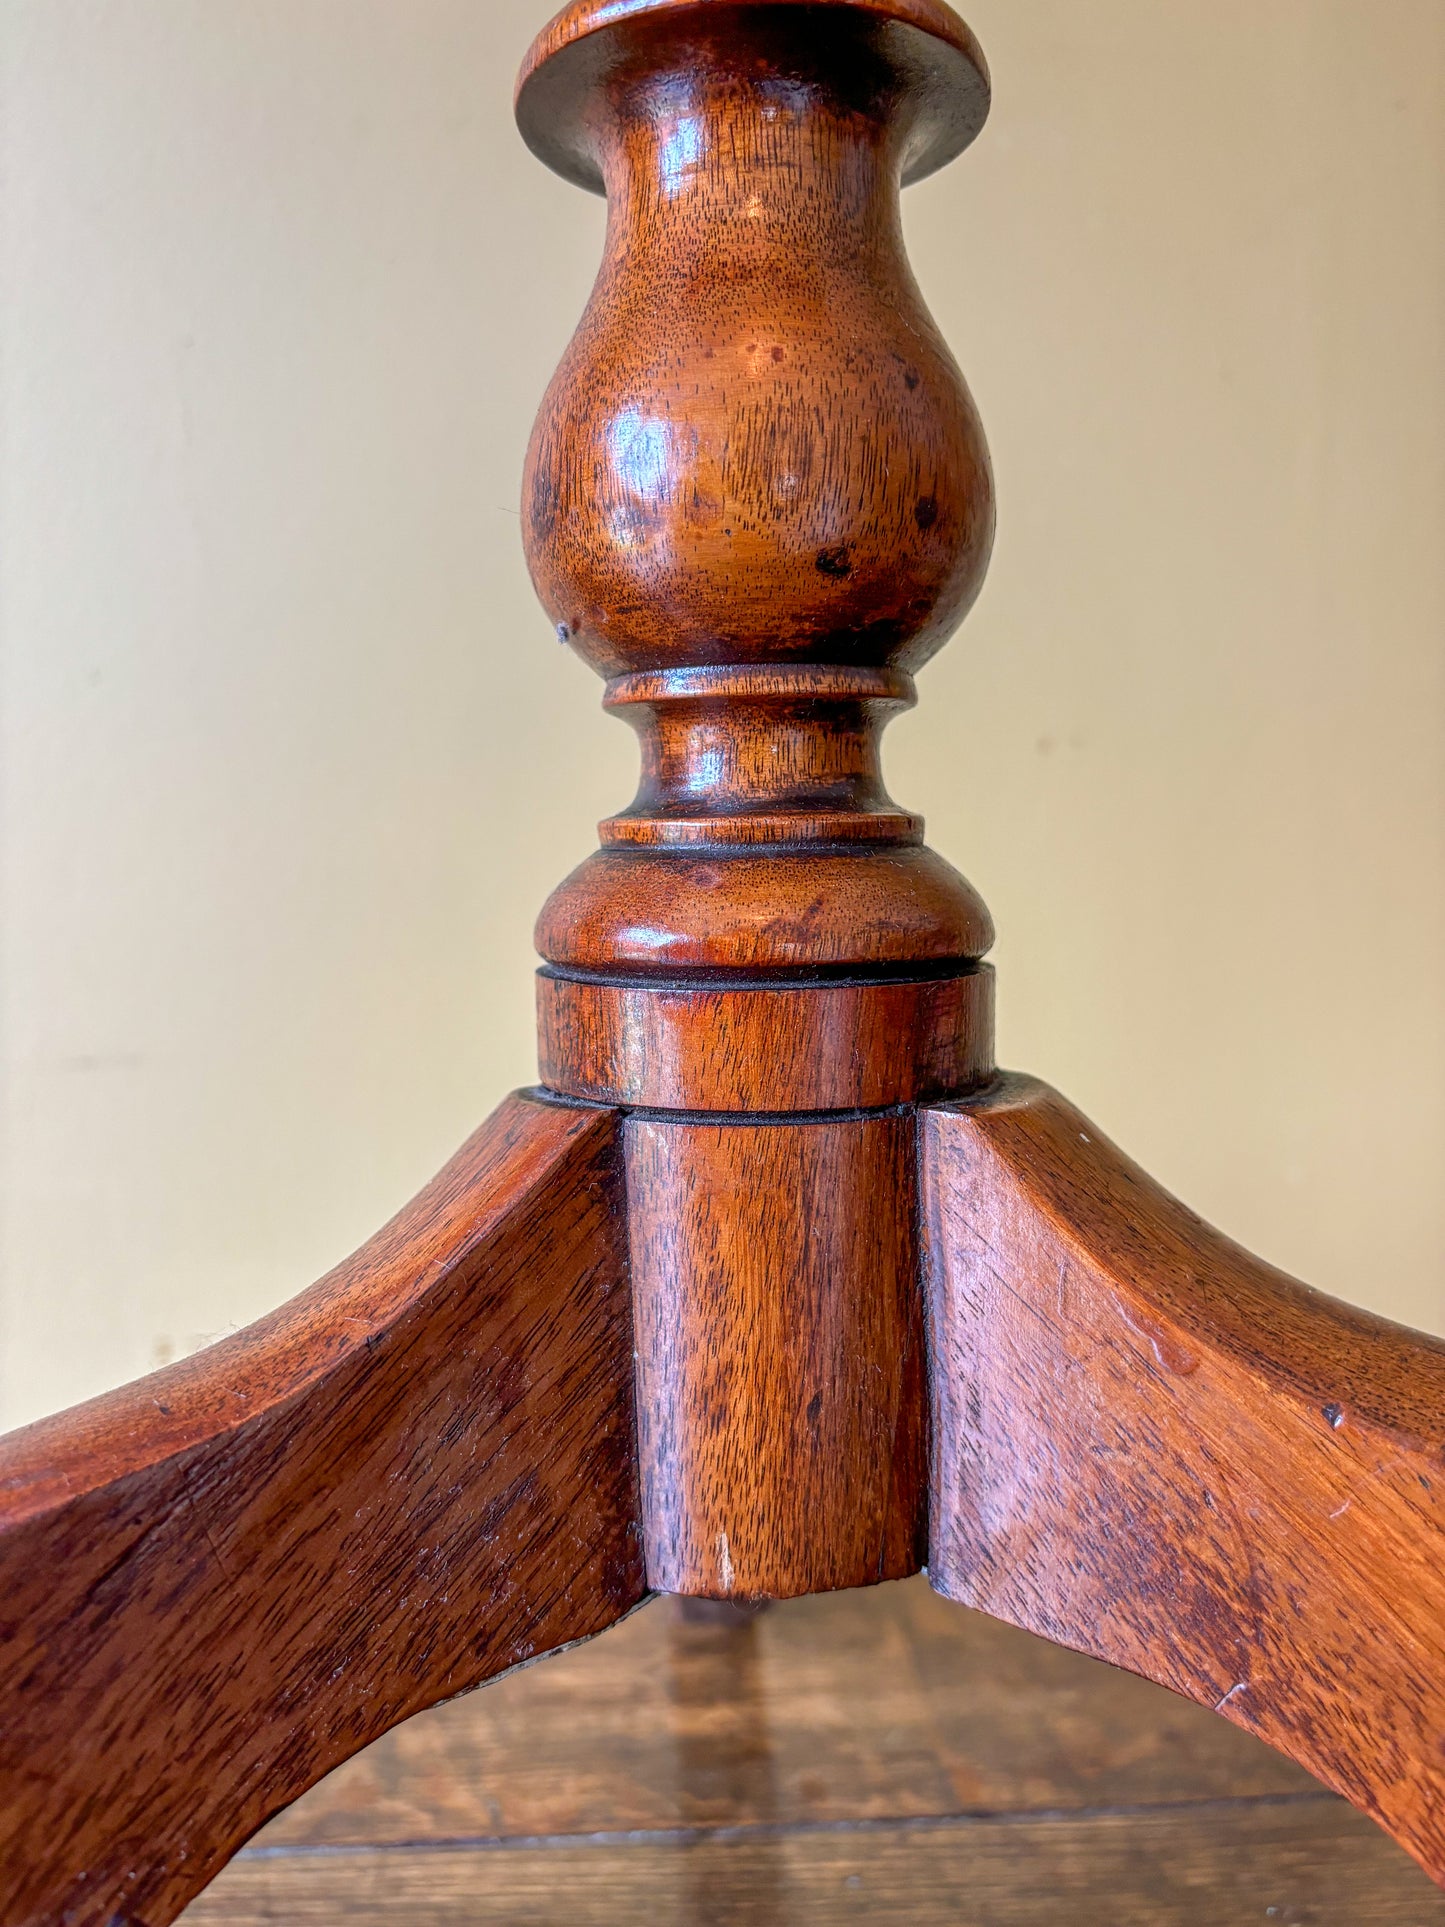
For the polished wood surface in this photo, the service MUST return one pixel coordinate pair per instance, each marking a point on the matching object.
(219, 1582)
(758, 490)
(705, 1341)
(1153, 1447)
(779, 1342)
(779, 1046)
(858, 911)
(933, 51)
(757, 497)
(758, 447)
(882, 1756)
(758, 494)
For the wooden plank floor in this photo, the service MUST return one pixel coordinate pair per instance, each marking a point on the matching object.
(865, 1757)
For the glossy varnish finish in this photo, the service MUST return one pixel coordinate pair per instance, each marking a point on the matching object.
(855, 909)
(1153, 1447)
(934, 53)
(758, 447)
(779, 1353)
(683, 1341)
(757, 498)
(773, 1046)
(219, 1582)
(758, 494)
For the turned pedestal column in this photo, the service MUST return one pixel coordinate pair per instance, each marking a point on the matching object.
(757, 499)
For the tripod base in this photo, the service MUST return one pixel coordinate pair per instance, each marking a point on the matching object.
(222, 1581)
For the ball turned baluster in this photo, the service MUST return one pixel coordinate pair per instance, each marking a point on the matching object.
(757, 499)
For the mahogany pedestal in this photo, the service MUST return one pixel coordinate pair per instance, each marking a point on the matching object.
(774, 1286)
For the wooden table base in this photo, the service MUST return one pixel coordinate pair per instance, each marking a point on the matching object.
(775, 1288)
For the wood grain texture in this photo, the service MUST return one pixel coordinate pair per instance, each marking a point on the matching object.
(857, 909)
(217, 1583)
(1285, 1864)
(765, 1047)
(757, 494)
(758, 447)
(1155, 1448)
(939, 59)
(756, 498)
(761, 755)
(880, 1756)
(779, 1353)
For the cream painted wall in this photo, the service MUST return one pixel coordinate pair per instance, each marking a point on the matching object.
(289, 757)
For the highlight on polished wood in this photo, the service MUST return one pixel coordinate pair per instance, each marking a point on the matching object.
(757, 498)
(775, 1286)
